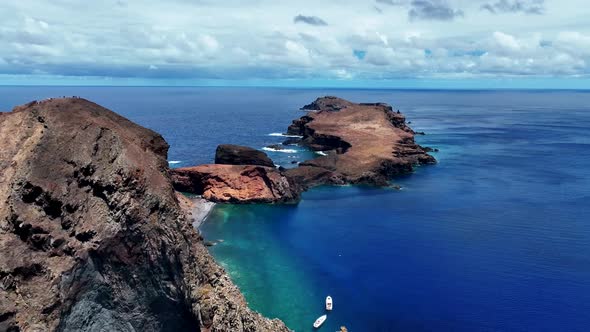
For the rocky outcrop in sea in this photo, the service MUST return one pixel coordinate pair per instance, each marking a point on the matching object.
(367, 143)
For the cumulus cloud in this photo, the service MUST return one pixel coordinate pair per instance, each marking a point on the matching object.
(311, 20)
(148, 39)
(506, 41)
(534, 7)
(433, 10)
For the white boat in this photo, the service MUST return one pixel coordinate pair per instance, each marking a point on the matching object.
(329, 303)
(318, 322)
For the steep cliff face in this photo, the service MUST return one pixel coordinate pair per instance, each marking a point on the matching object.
(92, 237)
(365, 143)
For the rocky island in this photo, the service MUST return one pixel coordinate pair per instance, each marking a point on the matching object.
(93, 235)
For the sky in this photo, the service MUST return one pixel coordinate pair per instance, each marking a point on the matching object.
(341, 43)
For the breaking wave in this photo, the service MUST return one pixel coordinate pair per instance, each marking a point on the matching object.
(280, 150)
(284, 135)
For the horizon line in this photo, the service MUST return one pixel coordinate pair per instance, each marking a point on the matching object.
(295, 87)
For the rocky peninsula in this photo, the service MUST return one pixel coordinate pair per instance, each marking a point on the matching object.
(366, 143)
(93, 236)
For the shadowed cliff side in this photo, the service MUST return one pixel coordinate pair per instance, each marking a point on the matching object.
(91, 233)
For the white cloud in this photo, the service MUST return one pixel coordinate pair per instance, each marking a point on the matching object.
(383, 38)
(234, 39)
(296, 49)
(573, 42)
(506, 42)
(209, 43)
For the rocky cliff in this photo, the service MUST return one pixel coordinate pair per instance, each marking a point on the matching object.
(92, 237)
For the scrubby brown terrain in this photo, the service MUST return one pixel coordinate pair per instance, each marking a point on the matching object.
(92, 237)
(365, 143)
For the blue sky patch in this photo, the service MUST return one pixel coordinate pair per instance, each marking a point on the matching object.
(359, 54)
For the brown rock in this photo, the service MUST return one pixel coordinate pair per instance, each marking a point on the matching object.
(328, 103)
(305, 177)
(92, 236)
(229, 154)
(371, 143)
(235, 183)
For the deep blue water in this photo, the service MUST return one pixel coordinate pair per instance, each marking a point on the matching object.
(495, 237)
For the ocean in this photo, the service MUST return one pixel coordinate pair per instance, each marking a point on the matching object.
(495, 237)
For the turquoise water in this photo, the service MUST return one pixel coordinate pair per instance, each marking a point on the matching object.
(495, 237)
(265, 291)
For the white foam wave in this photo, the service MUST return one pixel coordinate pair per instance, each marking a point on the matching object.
(284, 135)
(174, 162)
(321, 153)
(280, 150)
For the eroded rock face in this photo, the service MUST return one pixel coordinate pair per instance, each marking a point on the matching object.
(230, 154)
(367, 143)
(236, 183)
(92, 237)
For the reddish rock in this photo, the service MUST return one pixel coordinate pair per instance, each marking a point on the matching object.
(235, 183)
(92, 237)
